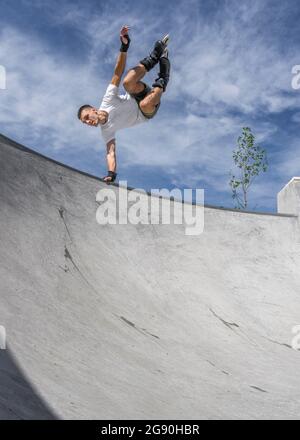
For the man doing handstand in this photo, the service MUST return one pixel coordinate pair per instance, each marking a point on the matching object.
(139, 104)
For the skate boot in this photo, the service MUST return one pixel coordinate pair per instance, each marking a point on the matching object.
(164, 73)
(159, 47)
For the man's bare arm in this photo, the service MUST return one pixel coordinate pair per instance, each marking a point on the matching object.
(111, 155)
(119, 69)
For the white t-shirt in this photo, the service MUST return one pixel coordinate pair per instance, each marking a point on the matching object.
(123, 111)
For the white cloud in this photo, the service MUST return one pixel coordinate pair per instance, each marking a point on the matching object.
(43, 93)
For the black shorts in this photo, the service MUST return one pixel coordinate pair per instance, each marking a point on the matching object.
(140, 96)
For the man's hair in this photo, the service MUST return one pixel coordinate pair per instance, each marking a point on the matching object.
(82, 108)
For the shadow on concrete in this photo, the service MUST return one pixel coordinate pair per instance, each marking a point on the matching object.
(18, 398)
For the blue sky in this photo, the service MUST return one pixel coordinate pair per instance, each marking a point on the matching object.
(231, 67)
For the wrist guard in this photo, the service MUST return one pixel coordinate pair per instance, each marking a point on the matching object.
(124, 47)
(112, 176)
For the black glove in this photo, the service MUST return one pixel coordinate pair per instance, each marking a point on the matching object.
(112, 176)
(124, 47)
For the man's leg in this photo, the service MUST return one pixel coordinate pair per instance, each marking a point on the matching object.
(149, 103)
(164, 73)
(132, 83)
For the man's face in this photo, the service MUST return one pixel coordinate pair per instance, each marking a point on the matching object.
(93, 117)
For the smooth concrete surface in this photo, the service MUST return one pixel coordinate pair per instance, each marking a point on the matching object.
(288, 199)
(137, 321)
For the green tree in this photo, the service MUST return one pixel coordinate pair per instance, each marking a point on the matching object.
(251, 160)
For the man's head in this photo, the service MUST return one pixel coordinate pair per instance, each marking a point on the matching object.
(91, 116)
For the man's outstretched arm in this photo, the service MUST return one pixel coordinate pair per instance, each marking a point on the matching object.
(111, 161)
(119, 69)
(111, 155)
(121, 61)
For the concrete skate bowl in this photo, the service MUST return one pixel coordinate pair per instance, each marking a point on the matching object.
(140, 321)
